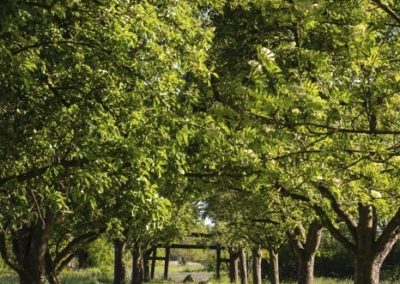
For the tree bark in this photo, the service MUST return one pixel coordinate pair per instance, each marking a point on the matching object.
(257, 255)
(233, 265)
(51, 274)
(119, 262)
(305, 245)
(369, 251)
(274, 266)
(305, 269)
(361, 239)
(366, 271)
(137, 265)
(68, 250)
(53, 278)
(366, 263)
(146, 266)
(243, 266)
(29, 244)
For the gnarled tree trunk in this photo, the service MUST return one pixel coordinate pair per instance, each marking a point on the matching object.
(368, 249)
(361, 239)
(119, 262)
(305, 244)
(29, 245)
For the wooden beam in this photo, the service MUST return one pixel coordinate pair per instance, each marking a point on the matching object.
(191, 246)
(218, 264)
(201, 235)
(153, 263)
(166, 263)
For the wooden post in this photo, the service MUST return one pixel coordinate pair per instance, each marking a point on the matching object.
(153, 263)
(166, 263)
(218, 266)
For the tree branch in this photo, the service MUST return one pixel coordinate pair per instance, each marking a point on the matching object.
(330, 129)
(5, 255)
(35, 172)
(334, 231)
(265, 221)
(389, 236)
(343, 215)
(324, 219)
(71, 246)
(48, 43)
(388, 10)
(313, 236)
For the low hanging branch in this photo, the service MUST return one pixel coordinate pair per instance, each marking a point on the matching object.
(324, 218)
(343, 215)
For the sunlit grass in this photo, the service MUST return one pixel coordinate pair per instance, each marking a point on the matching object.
(96, 276)
(85, 276)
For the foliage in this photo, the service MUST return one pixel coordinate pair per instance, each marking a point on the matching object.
(94, 99)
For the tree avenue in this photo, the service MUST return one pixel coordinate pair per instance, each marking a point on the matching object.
(323, 106)
(120, 117)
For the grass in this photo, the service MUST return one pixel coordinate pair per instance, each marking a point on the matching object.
(96, 276)
(87, 276)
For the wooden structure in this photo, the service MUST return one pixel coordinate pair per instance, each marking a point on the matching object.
(218, 248)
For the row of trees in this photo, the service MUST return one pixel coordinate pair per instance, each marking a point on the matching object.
(309, 134)
(119, 116)
(95, 110)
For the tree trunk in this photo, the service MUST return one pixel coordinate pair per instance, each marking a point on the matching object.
(243, 266)
(257, 265)
(233, 265)
(26, 278)
(119, 262)
(53, 279)
(146, 266)
(366, 271)
(305, 268)
(29, 244)
(51, 273)
(137, 265)
(83, 259)
(369, 256)
(361, 239)
(305, 244)
(274, 266)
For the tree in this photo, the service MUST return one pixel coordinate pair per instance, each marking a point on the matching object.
(329, 92)
(240, 28)
(78, 77)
